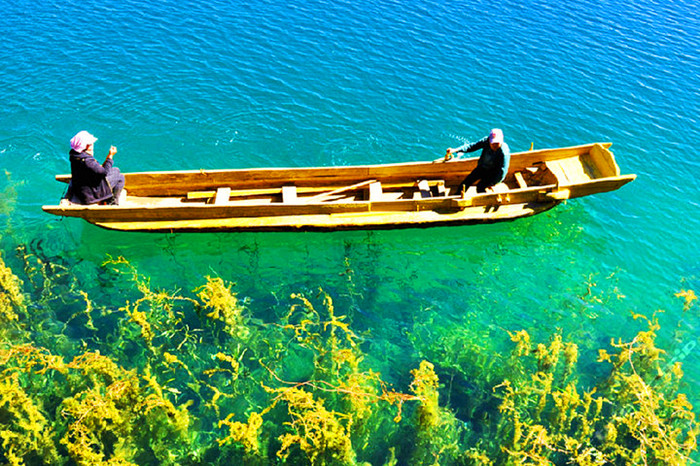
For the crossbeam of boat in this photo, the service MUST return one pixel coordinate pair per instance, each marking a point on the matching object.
(319, 193)
(323, 196)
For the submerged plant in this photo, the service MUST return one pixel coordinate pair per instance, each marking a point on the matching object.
(338, 406)
(223, 306)
(158, 378)
(26, 434)
(107, 413)
(246, 434)
(323, 435)
(633, 416)
(689, 298)
(437, 429)
(11, 297)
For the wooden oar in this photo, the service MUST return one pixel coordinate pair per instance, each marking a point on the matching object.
(448, 156)
(322, 196)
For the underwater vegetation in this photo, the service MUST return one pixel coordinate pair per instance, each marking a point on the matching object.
(125, 373)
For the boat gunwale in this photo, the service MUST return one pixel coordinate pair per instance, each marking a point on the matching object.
(515, 157)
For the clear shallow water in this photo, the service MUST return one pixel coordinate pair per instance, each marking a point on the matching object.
(186, 85)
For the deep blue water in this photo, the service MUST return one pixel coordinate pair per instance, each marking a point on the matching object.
(216, 84)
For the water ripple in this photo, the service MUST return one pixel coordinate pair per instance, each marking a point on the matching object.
(220, 84)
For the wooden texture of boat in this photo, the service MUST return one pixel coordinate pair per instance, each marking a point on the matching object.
(416, 194)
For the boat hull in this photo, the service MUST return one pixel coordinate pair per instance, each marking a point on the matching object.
(340, 221)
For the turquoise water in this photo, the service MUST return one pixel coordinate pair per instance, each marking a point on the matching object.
(188, 85)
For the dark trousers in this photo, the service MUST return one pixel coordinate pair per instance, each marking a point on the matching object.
(485, 177)
(116, 182)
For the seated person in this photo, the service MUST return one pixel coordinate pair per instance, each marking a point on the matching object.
(92, 183)
(492, 167)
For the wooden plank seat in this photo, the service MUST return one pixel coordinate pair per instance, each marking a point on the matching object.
(289, 195)
(375, 191)
(422, 190)
(222, 196)
(470, 191)
(497, 188)
(433, 188)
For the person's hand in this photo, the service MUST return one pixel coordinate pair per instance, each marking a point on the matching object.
(112, 151)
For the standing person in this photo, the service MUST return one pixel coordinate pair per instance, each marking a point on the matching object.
(492, 167)
(92, 183)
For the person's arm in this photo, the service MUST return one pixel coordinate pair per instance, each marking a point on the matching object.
(468, 147)
(95, 166)
(110, 156)
(475, 146)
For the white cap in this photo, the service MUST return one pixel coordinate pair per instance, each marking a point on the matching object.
(496, 136)
(81, 140)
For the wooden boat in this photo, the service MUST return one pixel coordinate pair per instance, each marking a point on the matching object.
(416, 194)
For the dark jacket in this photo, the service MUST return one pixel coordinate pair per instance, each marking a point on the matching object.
(88, 179)
(494, 162)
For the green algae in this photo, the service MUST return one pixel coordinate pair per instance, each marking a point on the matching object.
(154, 376)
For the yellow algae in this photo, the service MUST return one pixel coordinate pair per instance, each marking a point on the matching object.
(223, 306)
(244, 433)
(437, 428)
(637, 411)
(689, 298)
(425, 387)
(166, 379)
(225, 360)
(24, 431)
(11, 297)
(87, 312)
(322, 435)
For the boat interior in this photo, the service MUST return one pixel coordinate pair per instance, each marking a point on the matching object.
(368, 190)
